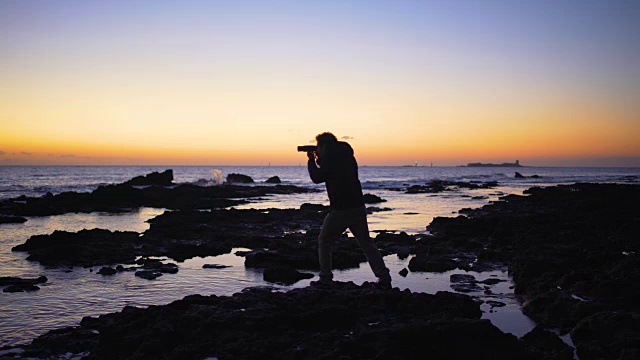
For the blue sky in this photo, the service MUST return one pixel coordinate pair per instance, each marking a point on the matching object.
(411, 57)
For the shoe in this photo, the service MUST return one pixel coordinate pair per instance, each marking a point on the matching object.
(322, 283)
(381, 284)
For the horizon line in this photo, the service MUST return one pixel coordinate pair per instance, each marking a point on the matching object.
(304, 165)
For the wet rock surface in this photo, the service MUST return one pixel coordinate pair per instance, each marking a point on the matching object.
(20, 288)
(608, 335)
(164, 178)
(107, 270)
(373, 199)
(84, 248)
(239, 178)
(273, 180)
(185, 234)
(284, 275)
(464, 283)
(214, 266)
(126, 197)
(437, 186)
(573, 252)
(277, 237)
(437, 254)
(373, 209)
(520, 176)
(346, 321)
(543, 344)
(17, 284)
(148, 274)
(12, 219)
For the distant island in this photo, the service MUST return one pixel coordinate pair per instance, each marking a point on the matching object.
(515, 164)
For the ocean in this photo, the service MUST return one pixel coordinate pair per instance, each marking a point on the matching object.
(72, 293)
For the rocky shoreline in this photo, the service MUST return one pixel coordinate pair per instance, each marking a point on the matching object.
(571, 249)
(574, 255)
(153, 190)
(344, 322)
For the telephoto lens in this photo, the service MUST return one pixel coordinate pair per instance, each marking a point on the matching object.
(307, 148)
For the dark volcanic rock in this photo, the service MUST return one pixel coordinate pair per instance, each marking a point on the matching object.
(547, 345)
(169, 268)
(273, 180)
(373, 199)
(572, 249)
(608, 335)
(164, 178)
(107, 270)
(392, 243)
(284, 275)
(125, 197)
(520, 176)
(346, 322)
(239, 178)
(20, 288)
(314, 207)
(436, 186)
(495, 304)
(148, 274)
(491, 281)
(433, 263)
(466, 287)
(462, 278)
(16, 284)
(185, 234)
(303, 253)
(464, 283)
(11, 219)
(84, 248)
(148, 263)
(372, 209)
(11, 280)
(214, 266)
(279, 237)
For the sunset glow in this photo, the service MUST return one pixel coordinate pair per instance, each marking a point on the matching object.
(244, 83)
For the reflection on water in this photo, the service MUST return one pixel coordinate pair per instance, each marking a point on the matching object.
(67, 297)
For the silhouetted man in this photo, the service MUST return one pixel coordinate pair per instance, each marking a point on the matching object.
(338, 169)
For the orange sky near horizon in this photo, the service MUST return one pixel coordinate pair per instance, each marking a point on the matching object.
(245, 83)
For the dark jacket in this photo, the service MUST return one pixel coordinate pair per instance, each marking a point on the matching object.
(339, 171)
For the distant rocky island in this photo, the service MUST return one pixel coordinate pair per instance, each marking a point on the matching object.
(515, 164)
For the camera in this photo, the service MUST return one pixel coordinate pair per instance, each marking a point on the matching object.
(307, 148)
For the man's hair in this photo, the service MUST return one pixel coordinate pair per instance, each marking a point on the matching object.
(326, 138)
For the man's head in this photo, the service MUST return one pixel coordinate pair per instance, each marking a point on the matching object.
(324, 139)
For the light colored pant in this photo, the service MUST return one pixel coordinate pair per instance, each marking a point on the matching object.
(335, 223)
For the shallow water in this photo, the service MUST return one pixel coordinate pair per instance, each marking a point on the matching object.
(70, 295)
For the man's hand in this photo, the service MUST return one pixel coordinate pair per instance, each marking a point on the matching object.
(311, 155)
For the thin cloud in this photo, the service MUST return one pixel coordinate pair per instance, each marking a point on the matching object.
(26, 153)
(346, 138)
(2, 153)
(67, 156)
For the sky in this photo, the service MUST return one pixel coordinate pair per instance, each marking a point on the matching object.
(549, 83)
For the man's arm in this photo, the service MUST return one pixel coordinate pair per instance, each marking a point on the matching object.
(315, 173)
